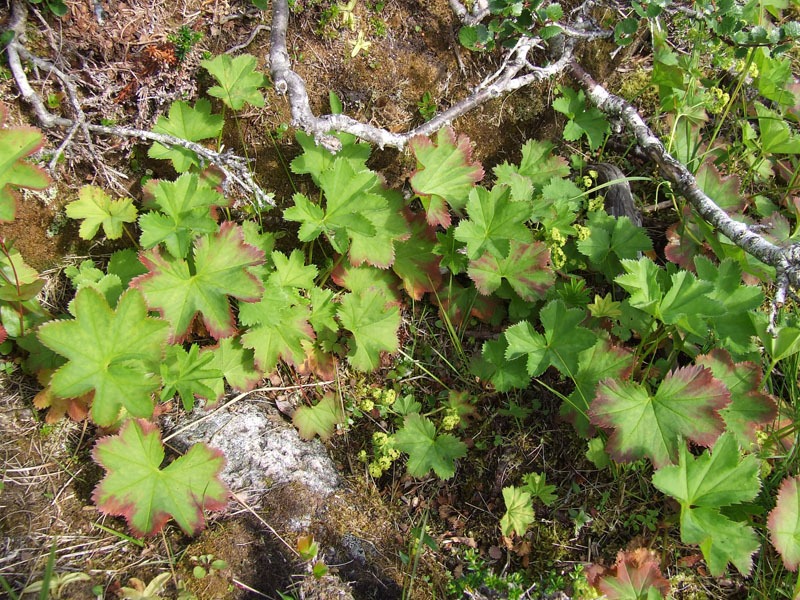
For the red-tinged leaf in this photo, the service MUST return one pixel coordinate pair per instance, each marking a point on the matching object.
(3, 333)
(220, 271)
(317, 362)
(686, 405)
(722, 190)
(136, 488)
(16, 143)
(631, 577)
(111, 351)
(750, 407)
(363, 278)
(458, 302)
(683, 242)
(445, 174)
(784, 523)
(76, 408)
(414, 260)
(527, 270)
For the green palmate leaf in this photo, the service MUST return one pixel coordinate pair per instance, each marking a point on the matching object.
(561, 344)
(734, 329)
(236, 365)
(780, 345)
(238, 80)
(494, 367)
(784, 523)
(323, 310)
(110, 351)
(179, 292)
(590, 123)
(612, 239)
(414, 260)
(292, 272)
(185, 212)
(642, 281)
(18, 281)
(373, 325)
(538, 166)
(702, 485)
(519, 511)
(526, 269)
(320, 419)
(445, 174)
(776, 137)
(596, 453)
(277, 327)
(350, 195)
(16, 143)
(186, 123)
(391, 227)
(536, 484)
(315, 158)
(601, 361)
(89, 276)
(125, 265)
(189, 374)
(136, 488)
(264, 241)
(97, 208)
(363, 278)
(454, 258)
(426, 450)
(750, 407)
(686, 405)
(494, 222)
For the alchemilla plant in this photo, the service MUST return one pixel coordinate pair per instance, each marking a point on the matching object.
(676, 357)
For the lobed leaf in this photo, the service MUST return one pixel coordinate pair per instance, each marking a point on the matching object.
(238, 80)
(426, 450)
(519, 511)
(784, 523)
(136, 488)
(320, 419)
(445, 174)
(559, 346)
(186, 123)
(96, 208)
(16, 143)
(750, 407)
(634, 576)
(111, 352)
(526, 269)
(179, 292)
(374, 327)
(686, 405)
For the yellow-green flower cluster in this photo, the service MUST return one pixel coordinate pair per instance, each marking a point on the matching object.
(582, 232)
(451, 419)
(556, 242)
(384, 397)
(384, 452)
(752, 70)
(716, 100)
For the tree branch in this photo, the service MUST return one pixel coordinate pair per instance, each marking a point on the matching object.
(235, 168)
(288, 82)
(786, 261)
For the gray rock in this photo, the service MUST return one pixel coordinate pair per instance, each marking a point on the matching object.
(262, 451)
